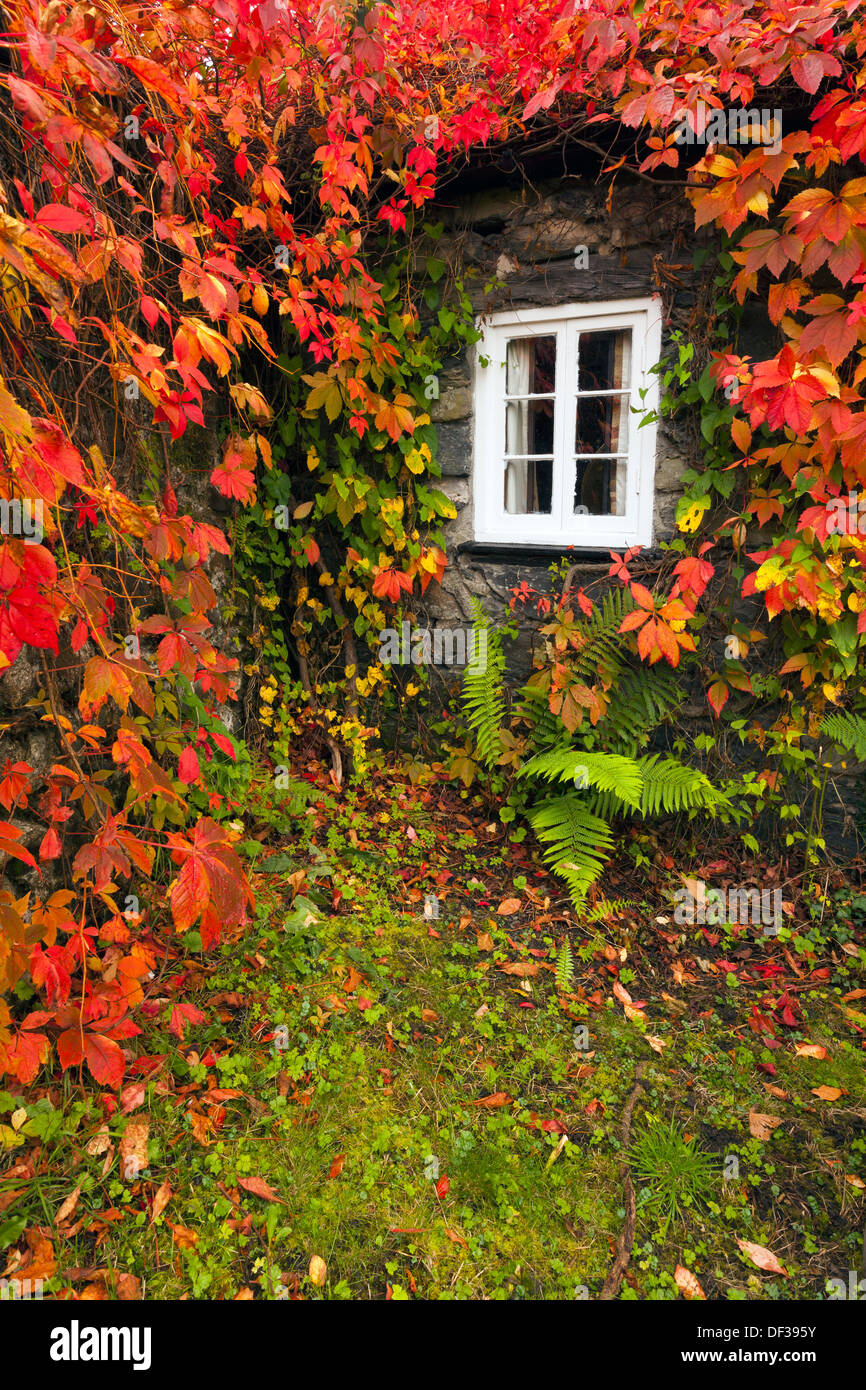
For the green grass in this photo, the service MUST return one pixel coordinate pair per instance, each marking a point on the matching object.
(368, 1123)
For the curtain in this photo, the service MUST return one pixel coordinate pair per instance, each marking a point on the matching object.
(518, 363)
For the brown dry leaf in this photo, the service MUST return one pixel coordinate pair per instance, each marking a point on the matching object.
(128, 1287)
(201, 1127)
(484, 941)
(775, 1090)
(429, 1015)
(133, 1145)
(810, 1050)
(43, 1263)
(456, 1238)
(481, 1011)
(621, 994)
(318, 1271)
(657, 1044)
(493, 1102)
(826, 1092)
(687, 1283)
(763, 1258)
(100, 1141)
(523, 968)
(508, 905)
(244, 1295)
(185, 1237)
(161, 1199)
(259, 1188)
(95, 1292)
(762, 1126)
(68, 1206)
(854, 1180)
(8, 1197)
(131, 1097)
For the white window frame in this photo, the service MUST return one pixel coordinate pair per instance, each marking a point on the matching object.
(493, 525)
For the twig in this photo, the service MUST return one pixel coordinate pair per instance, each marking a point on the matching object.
(626, 1237)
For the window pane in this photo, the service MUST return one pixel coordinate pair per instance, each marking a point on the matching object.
(530, 366)
(602, 424)
(529, 427)
(604, 361)
(528, 486)
(599, 487)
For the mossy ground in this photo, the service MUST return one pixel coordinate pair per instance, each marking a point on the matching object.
(405, 1099)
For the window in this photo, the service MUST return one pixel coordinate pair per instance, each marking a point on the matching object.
(559, 459)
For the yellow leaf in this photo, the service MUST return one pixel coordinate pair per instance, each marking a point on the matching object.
(318, 1271)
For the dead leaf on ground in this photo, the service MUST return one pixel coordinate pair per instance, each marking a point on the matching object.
(810, 1050)
(127, 1287)
(184, 1236)
(161, 1199)
(508, 905)
(762, 1257)
(68, 1206)
(100, 1141)
(484, 941)
(259, 1188)
(318, 1271)
(522, 968)
(827, 1092)
(493, 1102)
(133, 1146)
(762, 1126)
(687, 1283)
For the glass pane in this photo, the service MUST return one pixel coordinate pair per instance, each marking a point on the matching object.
(599, 487)
(528, 486)
(529, 427)
(602, 425)
(604, 361)
(530, 366)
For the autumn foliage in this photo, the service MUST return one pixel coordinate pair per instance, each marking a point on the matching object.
(158, 220)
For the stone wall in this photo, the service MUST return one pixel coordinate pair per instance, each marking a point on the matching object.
(515, 249)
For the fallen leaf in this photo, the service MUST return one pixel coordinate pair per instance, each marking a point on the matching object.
(259, 1188)
(657, 1044)
(810, 1050)
(493, 1102)
(133, 1147)
(826, 1092)
(337, 1166)
(443, 1187)
(161, 1199)
(508, 906)
(762, 1126)
(763, 1258)
(687, 1283)
(318, 1271)
(128, 1287)
(523, 968)
(429, 1015)
(854, 1180)
(456, 1238)
(68, 1206)
(100, 1141)
(484, 941)
(185, 1238)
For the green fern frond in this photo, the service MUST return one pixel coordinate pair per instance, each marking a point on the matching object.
(577, 843)
(848, 731)
(608, 907)
(608, 772)
(564, 968)
(671, 786)
(483, 687)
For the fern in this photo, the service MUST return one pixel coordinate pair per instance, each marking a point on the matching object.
(483, 687)
(671, 786)
(609, 772)
(564, 968)
(577, 843)
(848, 731)
(606, 908)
